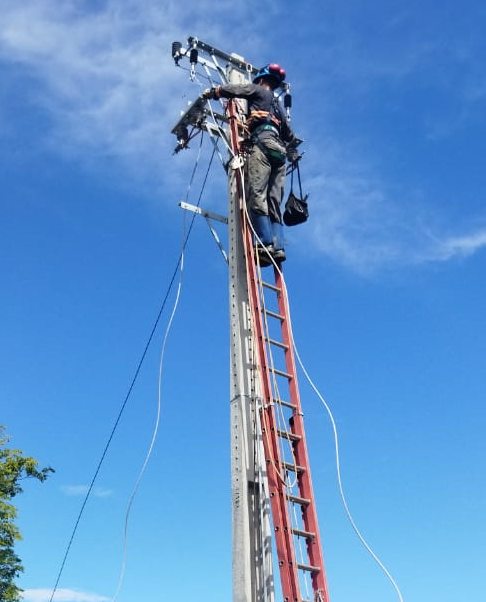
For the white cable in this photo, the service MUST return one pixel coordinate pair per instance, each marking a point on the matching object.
(334, 427)
(159, 399)
(340, 484)
(154, 434)
(279, 414)
(328, 409)
(337, 456)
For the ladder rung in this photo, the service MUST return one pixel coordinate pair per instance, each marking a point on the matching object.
(293, 467)
(277, 289)
(289, 435)
(308, 567)
(274, 314)
(298, 500)
(276, 343)
(301, 533)
(286, 404)
(281, 373)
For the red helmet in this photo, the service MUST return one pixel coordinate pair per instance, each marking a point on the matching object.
(272, 72)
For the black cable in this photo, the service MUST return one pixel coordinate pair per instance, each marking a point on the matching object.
(134, 379)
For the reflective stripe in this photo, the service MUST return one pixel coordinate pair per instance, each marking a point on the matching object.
(265, 127)
(259, 114)
(263, 115)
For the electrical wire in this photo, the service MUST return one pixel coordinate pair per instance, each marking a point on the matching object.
(154, 433)
(134, 378)
(159, 387)
(327, 407)
(340, 484)
(332, 420)
(337, 454)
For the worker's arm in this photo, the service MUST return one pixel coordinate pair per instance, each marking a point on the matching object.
(232, 91)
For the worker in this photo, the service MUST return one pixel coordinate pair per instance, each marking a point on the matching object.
(271, 142)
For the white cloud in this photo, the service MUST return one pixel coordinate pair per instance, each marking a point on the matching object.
(103, 76)
(82, 490)
(359, 222)
(61, 595)
(458, 246)
(107, 81)
(106, 78)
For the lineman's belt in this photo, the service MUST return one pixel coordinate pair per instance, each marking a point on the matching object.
(265, 128)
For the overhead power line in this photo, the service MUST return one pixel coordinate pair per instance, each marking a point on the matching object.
(136, 373)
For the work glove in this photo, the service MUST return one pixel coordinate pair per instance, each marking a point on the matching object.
(209, 93)
(292, 155)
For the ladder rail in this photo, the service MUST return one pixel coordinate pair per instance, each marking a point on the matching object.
(282, 534)
(309, 515)
(280, 513)
(282, 493)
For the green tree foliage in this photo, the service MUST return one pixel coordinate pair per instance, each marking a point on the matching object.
(14, 468)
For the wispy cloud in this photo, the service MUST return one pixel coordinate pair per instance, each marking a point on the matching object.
(81, 490)
(102, 75)
(105, 76)
(61, 595)
(458, 246)
(362, 223)
(107, 82)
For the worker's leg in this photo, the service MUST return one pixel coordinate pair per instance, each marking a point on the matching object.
(259, 170)
(275, 192)
(274, 199)
(258, 173)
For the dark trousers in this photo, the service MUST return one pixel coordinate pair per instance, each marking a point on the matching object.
(265, 184)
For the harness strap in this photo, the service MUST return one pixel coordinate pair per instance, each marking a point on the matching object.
(270, 118)
(267, 127)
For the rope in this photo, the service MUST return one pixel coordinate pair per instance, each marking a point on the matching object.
(327, 407)
(337, 455)
(133, 381)
(331, 417)
(341, 489)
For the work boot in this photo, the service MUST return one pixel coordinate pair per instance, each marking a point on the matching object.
(263, 228)
(278, 243)
(265, 254)
(279, 256)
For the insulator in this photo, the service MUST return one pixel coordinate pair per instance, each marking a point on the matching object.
(176, 51)
(288, 101)
(193, 56)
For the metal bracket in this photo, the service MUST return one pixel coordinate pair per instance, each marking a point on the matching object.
(209, 215)
(195, 116)
(204, 212)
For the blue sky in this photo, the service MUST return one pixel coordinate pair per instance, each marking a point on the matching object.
(386, 285)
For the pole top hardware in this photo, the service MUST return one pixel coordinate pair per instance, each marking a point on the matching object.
(214, 66)
(195, 117)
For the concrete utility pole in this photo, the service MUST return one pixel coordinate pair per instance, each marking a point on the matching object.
(252, 547)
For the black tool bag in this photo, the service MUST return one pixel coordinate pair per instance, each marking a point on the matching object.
(296, 208)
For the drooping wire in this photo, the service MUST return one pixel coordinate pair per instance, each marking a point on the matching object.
(154, 434)
(330, 414)
(159, 388)
(159, 399)
(134, 378)
(339, 479)
(335, 431)
(327, 407)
